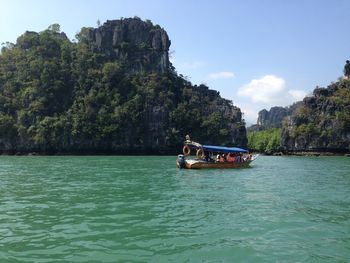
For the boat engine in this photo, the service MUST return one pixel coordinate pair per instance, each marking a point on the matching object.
(181, 162)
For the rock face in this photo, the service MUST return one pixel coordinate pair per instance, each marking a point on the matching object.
(210, 103)
(144, 48)
(114, 91)
(141, 45)
(322, 122)
(274, 117)
(236, 127)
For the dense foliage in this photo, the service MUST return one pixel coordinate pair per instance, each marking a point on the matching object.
(322, 122)
(265, 141)
(61, 96)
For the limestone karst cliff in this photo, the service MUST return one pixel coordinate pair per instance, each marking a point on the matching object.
(322, 122)
(112, 91)
(273, 118)
(141, 45)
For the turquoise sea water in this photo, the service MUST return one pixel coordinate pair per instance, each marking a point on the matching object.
(143, 209)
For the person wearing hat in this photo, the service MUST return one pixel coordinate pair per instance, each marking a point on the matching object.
(347, 70)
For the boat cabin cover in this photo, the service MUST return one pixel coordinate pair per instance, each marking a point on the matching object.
(221, 149)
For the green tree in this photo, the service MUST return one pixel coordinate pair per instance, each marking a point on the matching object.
(267, 141)
(56, 28)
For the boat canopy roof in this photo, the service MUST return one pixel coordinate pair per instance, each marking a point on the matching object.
(223, 149)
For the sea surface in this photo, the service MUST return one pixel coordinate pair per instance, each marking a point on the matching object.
(144, 209)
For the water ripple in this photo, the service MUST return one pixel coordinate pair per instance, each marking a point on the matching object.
(108, 209)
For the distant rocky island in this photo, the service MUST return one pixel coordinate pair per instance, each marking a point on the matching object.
(274, 117)
(319, 124)
(113, 90)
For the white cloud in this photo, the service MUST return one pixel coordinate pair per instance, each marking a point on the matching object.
(221, 75)
(264, 93)
(297, 94)
(267, 89)
(270, 90)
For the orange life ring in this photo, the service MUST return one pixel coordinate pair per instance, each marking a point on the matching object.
(186, 150)
(200, 153)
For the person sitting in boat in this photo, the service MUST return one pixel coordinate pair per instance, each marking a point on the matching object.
(238, 159)
(207, 157)
(222, 158)
(230, 158)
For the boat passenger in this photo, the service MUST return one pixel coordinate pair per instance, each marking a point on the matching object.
(230, 158)
(207, 157)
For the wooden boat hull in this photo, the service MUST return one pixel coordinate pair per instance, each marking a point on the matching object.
(200, 164)
(226, 157)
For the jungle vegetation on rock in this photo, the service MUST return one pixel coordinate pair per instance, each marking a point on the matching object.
(111, 91)
(322, 122)
(319, 123)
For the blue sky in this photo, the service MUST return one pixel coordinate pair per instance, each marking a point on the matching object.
(258, 54)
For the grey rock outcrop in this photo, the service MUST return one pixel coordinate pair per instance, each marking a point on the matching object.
(218, 104)
(322, 122)
(142, 46)
(274, 117)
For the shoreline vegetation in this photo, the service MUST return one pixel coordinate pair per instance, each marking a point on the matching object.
(311, 153)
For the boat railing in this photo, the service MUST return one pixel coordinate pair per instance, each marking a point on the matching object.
(193, 144)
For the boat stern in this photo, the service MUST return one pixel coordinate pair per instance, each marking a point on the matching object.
(181, 161)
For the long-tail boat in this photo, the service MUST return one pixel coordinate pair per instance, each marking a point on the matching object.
(209, 156)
